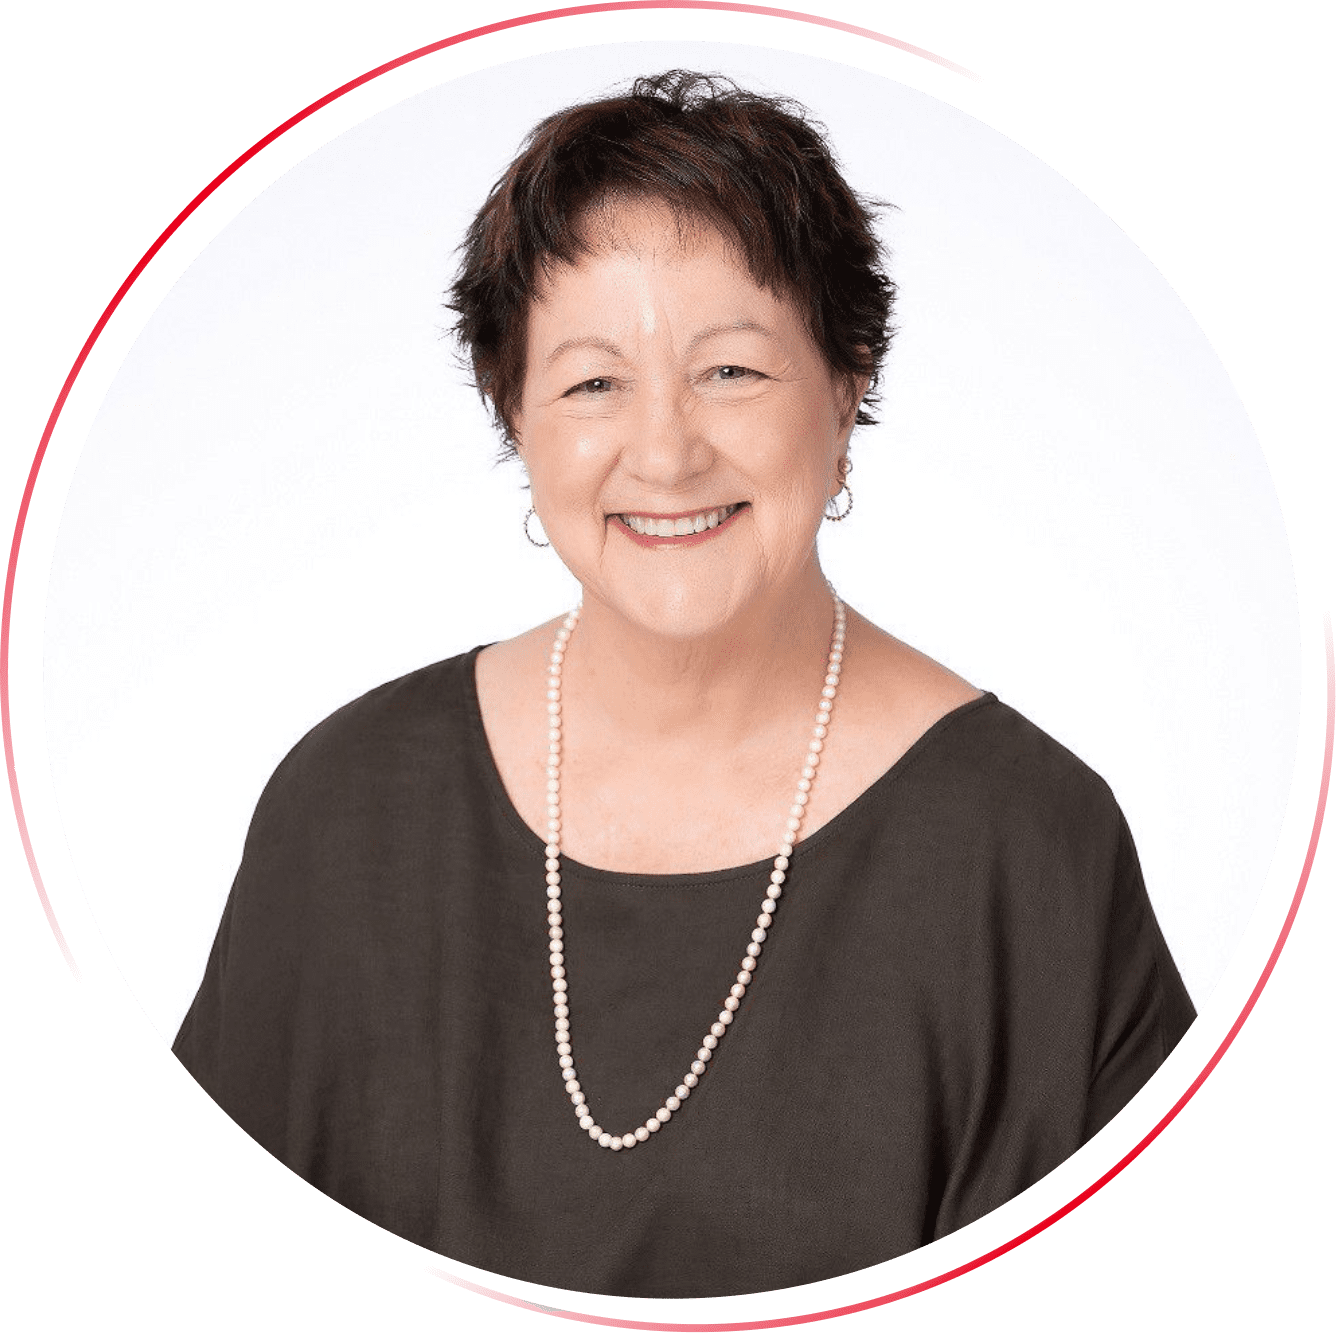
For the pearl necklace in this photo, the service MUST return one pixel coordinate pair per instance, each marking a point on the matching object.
(560, 988)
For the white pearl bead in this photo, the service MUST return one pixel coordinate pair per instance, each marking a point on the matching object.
(563, 1048)
(731, 1003)
(726, 1015)
(586, 1121)
(554, 877)
(737, 990)
(709, 1042)
(629, 1140)
(553, 850)
(819, 732)
(773, 894)
(559, 984)
(566, 1062)
(786, 850)
(765, 920)
(654, 1124)
(690, 1080)
(698, 1065)
(717, 1029)
(558, 973)
(683, 1089)
(561, 1011)
(596, 1133)
(605, 1140)
(828, 692)
(577, 1097)
(758, 937)
(554, 932)
(641, 1134)
(563, 1025)
(814, 745)
(748, 965)
(670, 1104)
(753, 953)
(554, 891)
(615, 1144)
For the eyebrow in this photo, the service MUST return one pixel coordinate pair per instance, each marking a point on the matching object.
(611, 348)
(601, 344)
(732, 326)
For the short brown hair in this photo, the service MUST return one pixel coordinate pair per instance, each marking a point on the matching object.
(756, 168)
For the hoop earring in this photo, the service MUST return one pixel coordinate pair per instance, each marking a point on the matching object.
(529, 534)
(832, 514)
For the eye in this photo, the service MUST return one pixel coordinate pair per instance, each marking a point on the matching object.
(597, 385)
(732, 375)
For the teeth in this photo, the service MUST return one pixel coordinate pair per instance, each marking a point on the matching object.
(677, 527)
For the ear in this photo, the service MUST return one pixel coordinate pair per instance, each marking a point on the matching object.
(858, 386)
(843, 466)
(852, 388)
(512, 433)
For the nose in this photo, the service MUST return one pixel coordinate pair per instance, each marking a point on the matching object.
(667, 443)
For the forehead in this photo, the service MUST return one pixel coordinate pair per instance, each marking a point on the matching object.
(641, 254)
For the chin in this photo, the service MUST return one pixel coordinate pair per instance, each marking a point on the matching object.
(679, 613)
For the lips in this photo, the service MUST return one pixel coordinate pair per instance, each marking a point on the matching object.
(670, 526)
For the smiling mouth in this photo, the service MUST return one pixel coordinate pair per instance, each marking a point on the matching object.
(677, 525)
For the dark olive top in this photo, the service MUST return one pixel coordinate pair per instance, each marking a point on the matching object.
(964, 982)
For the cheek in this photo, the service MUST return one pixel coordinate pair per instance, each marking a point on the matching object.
(567, 467)
(811, 445)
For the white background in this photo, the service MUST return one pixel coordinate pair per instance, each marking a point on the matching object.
(289, 495)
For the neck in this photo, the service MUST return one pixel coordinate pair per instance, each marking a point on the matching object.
(657, 689)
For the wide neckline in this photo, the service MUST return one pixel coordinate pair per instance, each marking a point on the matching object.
(687, 879)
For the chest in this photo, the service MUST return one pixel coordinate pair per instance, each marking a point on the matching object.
(683, 806)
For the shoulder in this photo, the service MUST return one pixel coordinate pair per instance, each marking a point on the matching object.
(1011, 798)
(999, 757)
(398, 728)
(979, 778)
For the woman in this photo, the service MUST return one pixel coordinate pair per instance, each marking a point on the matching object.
(711, 940)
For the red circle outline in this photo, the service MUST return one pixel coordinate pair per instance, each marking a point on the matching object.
(21, 521)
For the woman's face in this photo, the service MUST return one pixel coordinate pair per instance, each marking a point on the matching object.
(681, 430)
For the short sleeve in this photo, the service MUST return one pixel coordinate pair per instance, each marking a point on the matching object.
(1144, 1008)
